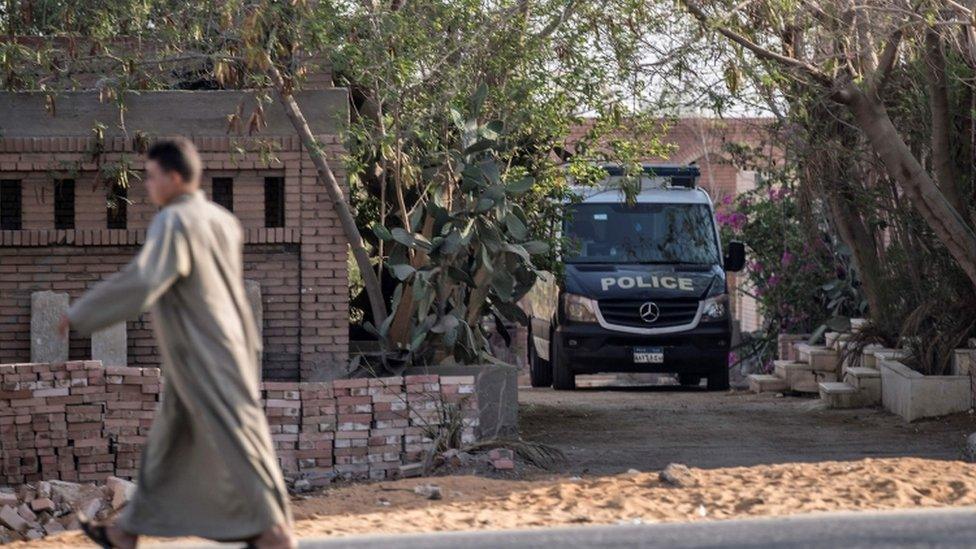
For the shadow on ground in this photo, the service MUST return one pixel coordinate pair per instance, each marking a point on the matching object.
(612, 429)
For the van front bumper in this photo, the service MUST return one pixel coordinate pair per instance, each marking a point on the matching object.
(592, 349)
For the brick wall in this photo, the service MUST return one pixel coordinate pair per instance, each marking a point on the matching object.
(78, 421)
(301, 266)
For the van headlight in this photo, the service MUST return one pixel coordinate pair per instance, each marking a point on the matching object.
(579, 308)
(716, 308)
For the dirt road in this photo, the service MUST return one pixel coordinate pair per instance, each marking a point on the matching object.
(606, 431)
(755, 456)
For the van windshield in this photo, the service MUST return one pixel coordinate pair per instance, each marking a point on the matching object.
(641, 233)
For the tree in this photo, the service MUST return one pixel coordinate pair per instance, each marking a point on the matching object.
(411, 67)
(849, 54)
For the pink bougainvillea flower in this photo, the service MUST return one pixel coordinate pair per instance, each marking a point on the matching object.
(773, 281)
(787, 258)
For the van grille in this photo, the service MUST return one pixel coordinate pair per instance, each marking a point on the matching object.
(626, 312)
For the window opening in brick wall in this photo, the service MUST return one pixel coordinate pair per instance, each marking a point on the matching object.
(223, 192)
(64, 204)
(10, 205)
(274, 201)
(118, 203)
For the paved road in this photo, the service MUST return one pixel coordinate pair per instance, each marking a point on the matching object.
(607, 431)
(950, 528)
(938, 528)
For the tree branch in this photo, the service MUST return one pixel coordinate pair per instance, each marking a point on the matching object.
(806, 68)
(886, 62)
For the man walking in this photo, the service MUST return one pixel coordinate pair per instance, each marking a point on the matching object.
(209, 467)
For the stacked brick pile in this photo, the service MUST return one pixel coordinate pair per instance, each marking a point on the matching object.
(78, 421)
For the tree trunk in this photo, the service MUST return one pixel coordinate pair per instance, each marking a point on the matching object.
(372, 284)
(942, 158)
(902, 166)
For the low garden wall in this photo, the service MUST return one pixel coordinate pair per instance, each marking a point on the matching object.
(78, 421)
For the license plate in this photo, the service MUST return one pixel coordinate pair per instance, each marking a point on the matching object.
(649, 355)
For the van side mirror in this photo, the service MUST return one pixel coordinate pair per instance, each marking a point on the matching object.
(735, 257)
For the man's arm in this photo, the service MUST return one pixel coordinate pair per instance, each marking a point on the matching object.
(164, 258)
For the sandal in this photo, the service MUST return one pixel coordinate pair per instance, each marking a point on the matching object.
(95, 532)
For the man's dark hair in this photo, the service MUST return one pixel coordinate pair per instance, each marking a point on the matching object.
(177, 155)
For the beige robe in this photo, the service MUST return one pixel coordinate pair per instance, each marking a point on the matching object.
(209, 467)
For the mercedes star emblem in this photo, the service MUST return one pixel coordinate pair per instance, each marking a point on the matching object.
(649, 312)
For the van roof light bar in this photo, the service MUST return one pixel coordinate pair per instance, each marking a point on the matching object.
(676, 176)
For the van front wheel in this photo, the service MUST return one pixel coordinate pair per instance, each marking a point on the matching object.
(563, 379)
(718, 378)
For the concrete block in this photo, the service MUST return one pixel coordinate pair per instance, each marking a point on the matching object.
(798, 375)
(858, 324)
(912, 395)
(765, 383)
(867, 381)
(786, 345)
(47, 345)
(874, 355)
(839, 395)
(823, 359)
(110, 345)
(964, 362)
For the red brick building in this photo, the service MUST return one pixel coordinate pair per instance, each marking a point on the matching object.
(58, 231)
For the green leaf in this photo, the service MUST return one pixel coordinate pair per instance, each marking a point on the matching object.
(446, 323)
(510, 312)
(402, 271)
(457, 119)
(416, 218)
(460, 276)
(520, 186)
(410, 240)
(484, 204)
(403, 237)
(536, 247)
(478, 146)
(515, 226)
(382, 232)
(452, 243)
(477, 100)
(486, 259)
(492, 129)
(503, 283)
(491, 173)
(417, 340)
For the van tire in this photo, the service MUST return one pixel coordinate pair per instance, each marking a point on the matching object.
(718, 379)
(563, 379)
(689, 380)
(540, 371)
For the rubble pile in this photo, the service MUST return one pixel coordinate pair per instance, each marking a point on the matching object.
(32, 511)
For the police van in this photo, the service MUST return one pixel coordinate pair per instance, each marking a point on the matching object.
(644, 286)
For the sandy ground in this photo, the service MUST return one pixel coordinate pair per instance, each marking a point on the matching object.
(472, 503)
(751, 456)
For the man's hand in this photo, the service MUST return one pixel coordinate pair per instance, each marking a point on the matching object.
(64, 326)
